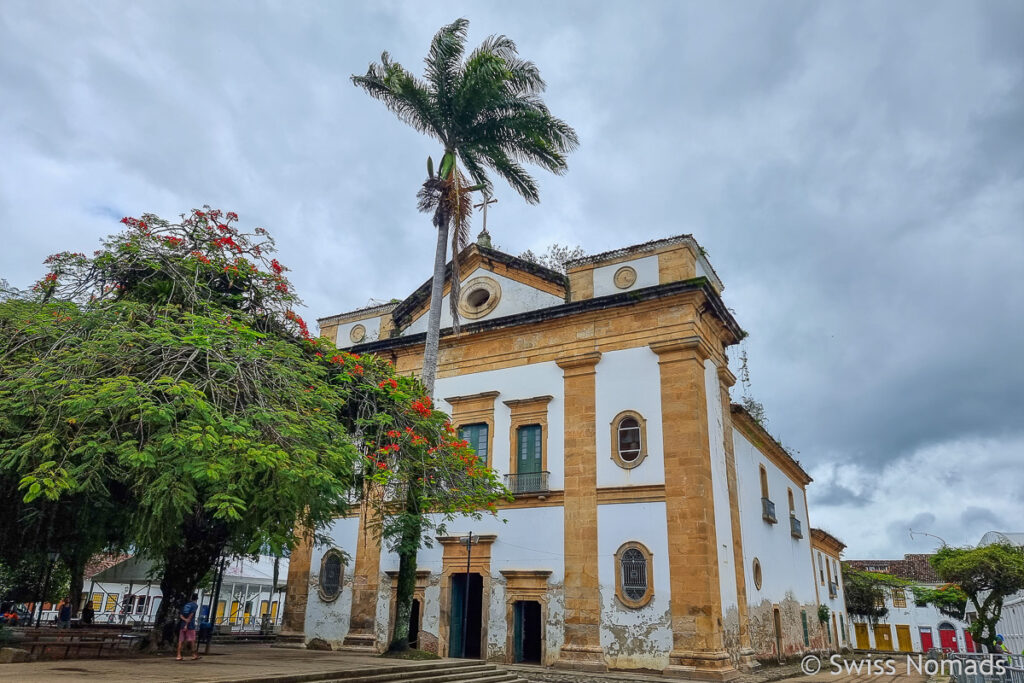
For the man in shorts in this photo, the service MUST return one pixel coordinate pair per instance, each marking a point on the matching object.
(187, 626)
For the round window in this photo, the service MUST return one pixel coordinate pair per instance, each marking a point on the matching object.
(479, 297)
(757, 573)
(357, 334)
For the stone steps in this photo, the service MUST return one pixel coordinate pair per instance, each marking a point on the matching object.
(427, 672)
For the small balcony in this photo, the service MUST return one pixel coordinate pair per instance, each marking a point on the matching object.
(833, 589)
(768, 511)
(796, 529)
(527, 482)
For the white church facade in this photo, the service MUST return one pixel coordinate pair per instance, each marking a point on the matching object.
(656, 525)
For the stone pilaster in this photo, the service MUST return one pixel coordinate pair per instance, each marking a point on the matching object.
(698, 644)
(362, 633)
(293, 617)
(582, 647)
(746, 653)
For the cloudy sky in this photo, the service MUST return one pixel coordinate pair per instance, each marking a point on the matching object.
(855, 171)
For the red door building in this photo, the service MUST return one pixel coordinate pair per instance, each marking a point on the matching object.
(947, 638)
(968, 641)
(926, 639)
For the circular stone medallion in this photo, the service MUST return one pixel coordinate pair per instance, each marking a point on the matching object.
(624, 277)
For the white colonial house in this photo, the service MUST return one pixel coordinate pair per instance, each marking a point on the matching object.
(909, 626)
(655, 525)
(128, 592)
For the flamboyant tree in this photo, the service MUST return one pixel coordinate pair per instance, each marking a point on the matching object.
(986, 576)
(488, 115)
(168, 375)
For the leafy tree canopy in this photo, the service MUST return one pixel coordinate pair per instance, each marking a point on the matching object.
(866, 592)
(985, 575)
(168, 375)
(555, 257)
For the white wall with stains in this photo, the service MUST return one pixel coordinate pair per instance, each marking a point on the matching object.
(646, 275)
(634, 637)
(330, 620)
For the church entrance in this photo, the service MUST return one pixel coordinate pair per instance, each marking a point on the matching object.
(466, 616)
(527, 631)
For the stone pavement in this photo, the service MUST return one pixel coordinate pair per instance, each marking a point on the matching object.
(264, 664)
(234, 663)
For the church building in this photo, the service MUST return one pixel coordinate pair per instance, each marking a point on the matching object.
(656, 525)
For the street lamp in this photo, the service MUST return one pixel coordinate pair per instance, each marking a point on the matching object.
(51, 558)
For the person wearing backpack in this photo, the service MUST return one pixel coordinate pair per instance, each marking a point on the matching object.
(187, 626)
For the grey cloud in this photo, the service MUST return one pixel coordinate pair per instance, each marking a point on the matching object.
(856, 172)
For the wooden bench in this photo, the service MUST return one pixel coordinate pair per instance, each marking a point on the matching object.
(65, 644)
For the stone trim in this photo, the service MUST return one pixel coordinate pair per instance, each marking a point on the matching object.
(324, 596)
(453, 561)
(525, 412)
(649, 560)
(525, 584)
(616, 457)
(488, 284)
(581, 647)
(293, 617)
(475, 409)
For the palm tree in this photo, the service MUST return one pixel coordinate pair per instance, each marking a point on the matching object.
(487, 114)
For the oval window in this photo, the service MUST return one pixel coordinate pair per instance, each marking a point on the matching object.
(634, 580)
(629, 436)
(330, 575)
(757, 573)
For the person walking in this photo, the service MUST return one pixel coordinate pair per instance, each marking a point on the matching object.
(187, 626)
(64, 614)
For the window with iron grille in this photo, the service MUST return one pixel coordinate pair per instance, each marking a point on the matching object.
(476, 435)
(330, 575)
(634, 585)
(899, 598)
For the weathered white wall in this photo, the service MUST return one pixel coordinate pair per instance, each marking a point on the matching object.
(515, 298)
(372, 325)
(539, 379)
(646, 275)
(836, 605)
(785, 561)
(634, 638)
(720, 488)
(330, 620)
(629, 380)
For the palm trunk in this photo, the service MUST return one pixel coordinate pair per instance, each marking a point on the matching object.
(412, 528)
(434, 317)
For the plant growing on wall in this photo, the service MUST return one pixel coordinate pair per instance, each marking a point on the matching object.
(823, 614)
(985, 576)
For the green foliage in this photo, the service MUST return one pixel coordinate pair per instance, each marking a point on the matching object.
(951, 600)
(985, 575)
(21, 580)
(166, 378)
(556, 256)
(866, 592)
(823, 613)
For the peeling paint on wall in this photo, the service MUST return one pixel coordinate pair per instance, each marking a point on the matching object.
(635, 638)
(762, 628)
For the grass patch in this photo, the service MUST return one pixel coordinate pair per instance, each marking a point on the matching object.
(411, 654)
